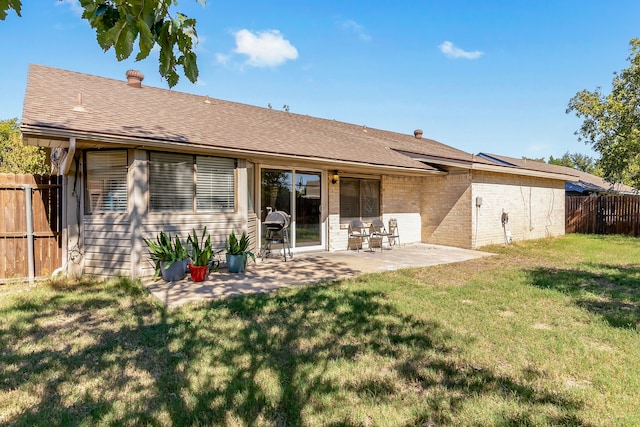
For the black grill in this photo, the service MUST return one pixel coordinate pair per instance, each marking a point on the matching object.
(276, 220)
(277, 225)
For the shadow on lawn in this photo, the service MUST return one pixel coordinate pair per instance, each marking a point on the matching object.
(280, 359)
(610, 291)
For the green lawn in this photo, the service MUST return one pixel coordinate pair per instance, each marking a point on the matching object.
(544, 333)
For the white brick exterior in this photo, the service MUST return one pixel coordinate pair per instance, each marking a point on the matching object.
(535, 206)
(401, 199)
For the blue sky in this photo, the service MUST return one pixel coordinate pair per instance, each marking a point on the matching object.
(482, 76)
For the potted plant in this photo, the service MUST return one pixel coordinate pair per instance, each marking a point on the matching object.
(238, 252)
(169, 256)
(201, 255)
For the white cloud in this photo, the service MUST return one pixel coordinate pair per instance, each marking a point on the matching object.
(451, 51)
(74, 5)
(264, 49)
(223, 59)
(357, 29)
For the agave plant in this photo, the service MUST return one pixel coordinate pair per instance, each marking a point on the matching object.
(240, 247)
(201, 248)
(165, 251)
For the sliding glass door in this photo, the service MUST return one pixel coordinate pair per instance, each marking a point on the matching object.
(298, 193)
(308, 209)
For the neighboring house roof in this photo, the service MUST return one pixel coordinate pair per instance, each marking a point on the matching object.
(582, 182)
(527, 164)
(101, 112)
(588, 183)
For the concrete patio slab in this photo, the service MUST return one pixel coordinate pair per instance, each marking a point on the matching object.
(305, 268)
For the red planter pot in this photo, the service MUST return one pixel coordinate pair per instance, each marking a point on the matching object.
(198, 272)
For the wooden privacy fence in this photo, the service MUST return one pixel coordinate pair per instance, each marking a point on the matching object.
(603, 215)
(30, 222)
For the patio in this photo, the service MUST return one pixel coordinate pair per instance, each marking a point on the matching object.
(305, 268)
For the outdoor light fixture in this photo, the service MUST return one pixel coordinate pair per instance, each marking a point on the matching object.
(334, 177)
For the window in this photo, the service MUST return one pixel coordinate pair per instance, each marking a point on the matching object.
(359, 199)
(106, 189)
(178, 182)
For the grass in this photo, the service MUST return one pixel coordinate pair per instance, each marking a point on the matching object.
(544, 333)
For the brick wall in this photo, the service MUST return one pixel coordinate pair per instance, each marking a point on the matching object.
(446, 215)
(535, 207)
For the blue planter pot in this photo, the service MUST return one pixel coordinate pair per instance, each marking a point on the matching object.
(176, 271)
(235, 263)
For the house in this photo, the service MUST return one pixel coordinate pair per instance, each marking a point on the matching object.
(138, 159)
(583, 184)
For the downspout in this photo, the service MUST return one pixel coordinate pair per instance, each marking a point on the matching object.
(66, 164)
(63, 171)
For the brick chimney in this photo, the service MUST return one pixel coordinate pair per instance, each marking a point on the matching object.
(417, 133)
(134, 78)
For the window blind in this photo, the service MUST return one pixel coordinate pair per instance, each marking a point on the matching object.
(369, 199)
(349, 199)
(359, 199)
(106, 181)
(170, 182)
(215, 184)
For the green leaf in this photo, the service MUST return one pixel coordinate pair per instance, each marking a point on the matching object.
(110, 36)
(172, 78)
(190, 66)
(124, 43)
(5, 5)
(167, 60)
(146, 39)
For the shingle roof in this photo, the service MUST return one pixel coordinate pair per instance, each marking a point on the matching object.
(115, 109)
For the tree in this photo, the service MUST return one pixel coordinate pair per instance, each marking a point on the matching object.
(119, 23)
(577, 161)
(612, 122)
(539, 159)
(15, 157)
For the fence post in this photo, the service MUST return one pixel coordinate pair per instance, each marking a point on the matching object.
(28, 196)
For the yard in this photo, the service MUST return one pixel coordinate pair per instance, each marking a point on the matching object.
(545, 333)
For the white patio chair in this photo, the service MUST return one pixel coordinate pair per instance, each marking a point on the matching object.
(378, 233)
(358, 234)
